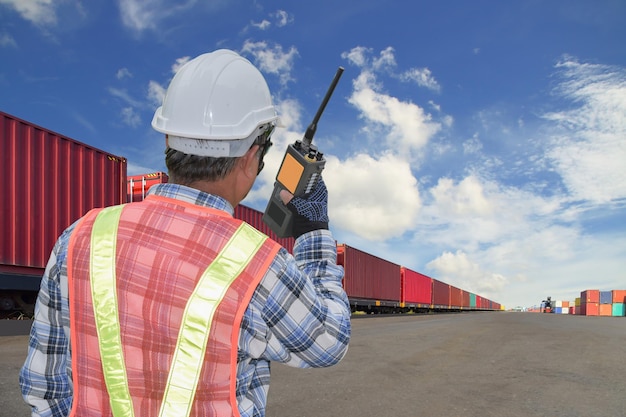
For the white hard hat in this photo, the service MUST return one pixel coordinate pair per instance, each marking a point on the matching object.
(216, 105)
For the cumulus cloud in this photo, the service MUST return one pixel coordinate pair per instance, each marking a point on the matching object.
(459, 268)
(272, 59)
(406, 127)
(376, 198)
(386, 62)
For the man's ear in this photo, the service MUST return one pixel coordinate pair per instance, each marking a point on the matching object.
(250, 161)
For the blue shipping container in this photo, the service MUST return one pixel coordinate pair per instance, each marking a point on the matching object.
(606, 297)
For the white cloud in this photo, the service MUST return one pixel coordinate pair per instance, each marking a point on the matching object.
(180, 62)
(375, 198)
(140, 15)
(262, 25)
(282, 18)
(7, 40)
(272, 60)
(465, 199)
(461, 271)
(587, 144)
(156, 93)
(123, 73)
(386, 62)
(406, 127)
(130, 117)
(422, 77)
(124, 96)
(38, 12)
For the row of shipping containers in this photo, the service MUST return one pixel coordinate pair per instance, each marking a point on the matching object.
(374, 284)
(602, 303)
(51, 180)
(594, 303)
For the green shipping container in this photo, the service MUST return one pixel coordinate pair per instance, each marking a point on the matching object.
(472, 300)
(619, 309)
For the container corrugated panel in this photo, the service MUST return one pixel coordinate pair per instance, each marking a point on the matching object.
(441, 293)
(456, 296)
(466, 299)
(255, 219)
(138, 185)
(606, 297)
(48, 182)
(590, 309)
(606, 309)
(416, 288)
(367, 276)
(619, 296)
(590, 296)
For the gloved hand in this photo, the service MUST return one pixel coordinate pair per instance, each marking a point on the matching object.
(310, 212)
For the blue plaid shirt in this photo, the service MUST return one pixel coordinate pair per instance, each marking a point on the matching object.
(299, 315)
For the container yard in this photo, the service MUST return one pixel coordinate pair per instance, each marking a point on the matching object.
(42, 205)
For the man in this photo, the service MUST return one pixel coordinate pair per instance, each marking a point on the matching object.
(170, 306)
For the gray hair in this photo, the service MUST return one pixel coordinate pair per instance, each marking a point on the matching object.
(186, 169)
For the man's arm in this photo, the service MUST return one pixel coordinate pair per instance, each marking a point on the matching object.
(45, 378)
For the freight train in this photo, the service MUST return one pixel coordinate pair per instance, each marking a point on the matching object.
(52, 180)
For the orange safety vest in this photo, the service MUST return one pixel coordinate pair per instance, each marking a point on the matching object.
(171, 282)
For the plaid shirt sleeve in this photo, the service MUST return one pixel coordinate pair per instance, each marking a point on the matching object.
(45, 378)
(303, 305)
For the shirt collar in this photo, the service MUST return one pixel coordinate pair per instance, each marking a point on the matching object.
(191, 195)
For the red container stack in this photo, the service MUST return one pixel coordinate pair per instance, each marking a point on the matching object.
(590, 303)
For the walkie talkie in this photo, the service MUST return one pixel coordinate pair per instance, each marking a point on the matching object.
(298, 173)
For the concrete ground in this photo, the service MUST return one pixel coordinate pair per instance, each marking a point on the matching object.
(482, 364)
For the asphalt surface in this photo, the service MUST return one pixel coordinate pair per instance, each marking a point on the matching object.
(479, 364)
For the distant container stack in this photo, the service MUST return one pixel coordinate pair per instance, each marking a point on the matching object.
(603, 303)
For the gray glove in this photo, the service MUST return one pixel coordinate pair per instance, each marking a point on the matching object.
(310, 212)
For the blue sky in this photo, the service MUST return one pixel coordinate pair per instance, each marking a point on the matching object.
(482, 143)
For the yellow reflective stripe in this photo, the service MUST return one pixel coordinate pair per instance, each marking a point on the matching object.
(194, 332)
(104, 300)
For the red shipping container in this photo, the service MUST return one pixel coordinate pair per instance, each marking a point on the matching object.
(456, 296)
(572, 310)
(619, 296)
(416, 288)
(466, 299)
(138, 185)
(589, 309)
(48, 182)
(479, 302)
(255, 219)
(441, 294)
(606, 310)
(590, 296)
(369, 277)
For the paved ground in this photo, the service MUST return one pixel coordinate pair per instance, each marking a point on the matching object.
(472, 364)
